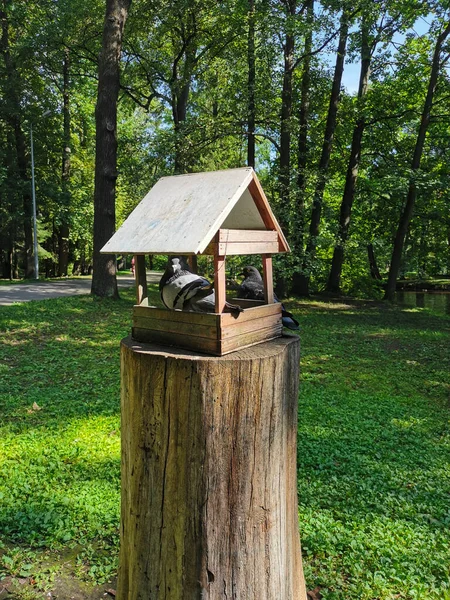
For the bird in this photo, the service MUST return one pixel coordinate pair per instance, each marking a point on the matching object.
(252, 288)
(183, 290)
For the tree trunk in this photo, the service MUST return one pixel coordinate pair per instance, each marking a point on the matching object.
(448, 248)
(104, 282)
(334, 279)
(298, 277)
(286, 120)
(251, 104)
(63, 230)
(180, 96)
(209, 482)
(13, 103)
(374, 270)
(407, 213)
(324, 161)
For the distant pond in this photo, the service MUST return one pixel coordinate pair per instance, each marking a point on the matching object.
(437, 301)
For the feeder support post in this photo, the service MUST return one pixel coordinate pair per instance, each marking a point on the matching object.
(268, 278)
(193, 263)
(209, 480)
(219, 279)
(141, 278)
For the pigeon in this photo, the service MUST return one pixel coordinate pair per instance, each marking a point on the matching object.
(183, 290)
(252, 288)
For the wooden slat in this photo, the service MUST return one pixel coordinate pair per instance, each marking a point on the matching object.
(182, 328)
(176, 315)
(247, 241)
(249, 326)
(240, 248)
(193, 263)
(236, 248)
(247, 235)
(141, 278)
(249, 314)
(219, 282)
(268, 278)
(232, 242)
(174, 339)
(244, 302)
(249, 339)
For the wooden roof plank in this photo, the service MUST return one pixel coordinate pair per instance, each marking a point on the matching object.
(181, 214)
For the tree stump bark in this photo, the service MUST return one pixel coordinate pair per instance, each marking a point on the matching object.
(209, 481)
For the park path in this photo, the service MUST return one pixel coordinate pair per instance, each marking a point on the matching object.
(43, 290)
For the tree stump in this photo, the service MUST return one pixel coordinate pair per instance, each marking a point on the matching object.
(209, 481)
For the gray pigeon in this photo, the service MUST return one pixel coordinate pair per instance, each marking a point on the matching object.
(252, 288)
(183, 290)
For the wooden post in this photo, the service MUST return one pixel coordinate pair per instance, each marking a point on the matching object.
(219, 281)
(268, 278)
(140, 276)
(193, 263)
(209, 480)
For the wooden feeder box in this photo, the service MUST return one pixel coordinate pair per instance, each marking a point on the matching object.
(218, 213)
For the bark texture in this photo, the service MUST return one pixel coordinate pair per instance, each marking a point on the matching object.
(104, 281)
(209, 483)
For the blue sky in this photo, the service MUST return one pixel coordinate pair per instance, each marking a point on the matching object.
(350, 79)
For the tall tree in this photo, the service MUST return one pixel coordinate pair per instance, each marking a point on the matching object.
(251, 82)
(302, 156)
(325, 155)
(63, 230)
(14, 118)
(333, 284)
(104, 282)
(408, 209)
(286, 112)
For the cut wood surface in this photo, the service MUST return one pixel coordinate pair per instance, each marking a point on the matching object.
(209, 481)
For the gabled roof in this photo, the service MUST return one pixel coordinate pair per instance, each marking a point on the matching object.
(181, 214)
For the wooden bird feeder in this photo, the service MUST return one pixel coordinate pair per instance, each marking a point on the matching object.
(219, 213)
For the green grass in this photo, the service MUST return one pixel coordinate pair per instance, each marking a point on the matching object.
(59, 438)
(374, 449)
(374, 446)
